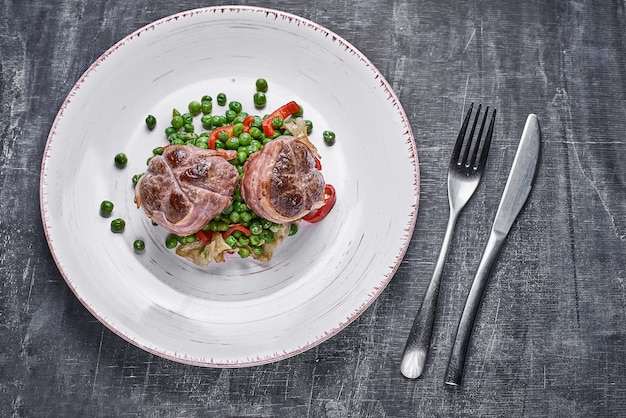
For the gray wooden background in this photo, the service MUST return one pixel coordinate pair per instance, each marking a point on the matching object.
(551, 334)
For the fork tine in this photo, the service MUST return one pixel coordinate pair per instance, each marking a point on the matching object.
(485, 152)
(470, 138)
(456, 152)
(472, 161)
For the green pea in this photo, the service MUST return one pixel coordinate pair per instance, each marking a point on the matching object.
(293, 229)
(245, 139)
(221, 99)
(245, 217)
(234, 217)
(242, 156)
(217, 121)
(175, 112)
(171, 242)
(257, 250)
(228, 210)
(329, 137)
(195, 107)
(260, 100)
(277, 123)
(136, 178)
(243, 240)
(255, 240)
(177, 122)
(222, 226)
(244, 252)
(223, 136)
(230, 115)
(157, 151)
(267, 236)
(188, 127)
(118, 225)
(206, 98)
(255, 228)
(231, 241)
(139, 245)
(170, 130)
(256, 133)
(238, 129)
(206, 107)
(207, 121)
(261, 85)
(309, 126)
(106, 207)
(150, 122)
(235, 106)
(257, 122)
(298, 113)
(232, 143)
(274, 228)
(121, 160)
(187, 117)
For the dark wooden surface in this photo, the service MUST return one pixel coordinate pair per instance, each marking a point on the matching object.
(551, 334)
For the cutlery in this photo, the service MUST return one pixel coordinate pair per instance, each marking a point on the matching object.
(515, 194)
(464, 174)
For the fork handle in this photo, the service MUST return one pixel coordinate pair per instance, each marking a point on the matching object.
(454, 373)
(418, 341)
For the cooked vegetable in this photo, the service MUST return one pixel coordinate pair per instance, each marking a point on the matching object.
(118, 225)
(282, 113)
(120, 160)
(195, 107)
(150, 122)
(171, 242)
(260, 100)
(330, 197)
(261, 85)
(177, 122)
(139, 245)
(106, 207)
(237, 229)
(329, 137)
(235, 107)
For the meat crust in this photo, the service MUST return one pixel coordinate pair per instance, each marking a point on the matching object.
(281, 183)
(186, 187)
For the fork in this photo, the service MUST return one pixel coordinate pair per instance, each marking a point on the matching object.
(466, 167)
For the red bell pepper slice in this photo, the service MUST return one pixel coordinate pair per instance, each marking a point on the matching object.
(282, 112)
(236, 227)
(330, 197)
(202, 236)
(229, 130)
(318, 163)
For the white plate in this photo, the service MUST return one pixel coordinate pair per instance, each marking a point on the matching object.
(238, 313)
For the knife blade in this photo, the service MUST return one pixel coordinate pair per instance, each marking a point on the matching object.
(516, 191)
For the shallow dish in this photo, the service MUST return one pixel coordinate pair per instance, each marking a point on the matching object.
(241, 312)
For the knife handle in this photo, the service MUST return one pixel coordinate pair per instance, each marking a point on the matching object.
(456, 363)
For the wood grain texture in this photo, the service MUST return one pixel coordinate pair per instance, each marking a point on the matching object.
(550, 338)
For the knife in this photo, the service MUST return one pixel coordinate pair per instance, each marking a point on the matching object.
(516, 192)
